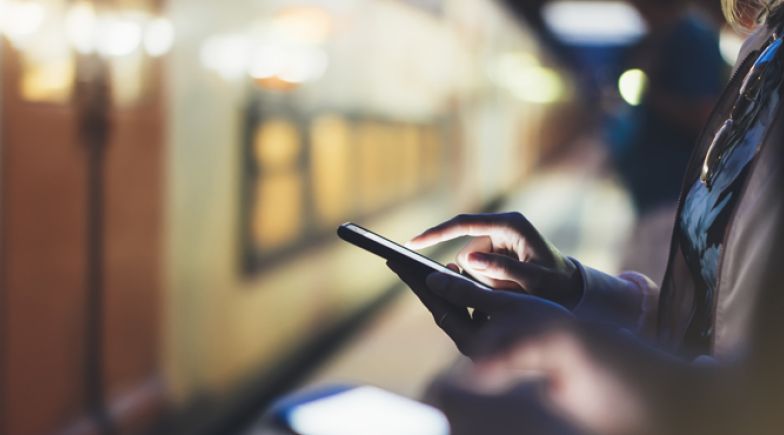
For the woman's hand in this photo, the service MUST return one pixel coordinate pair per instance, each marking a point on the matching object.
(505, 316)
(553, 372)
(507, 252)
(522, 338)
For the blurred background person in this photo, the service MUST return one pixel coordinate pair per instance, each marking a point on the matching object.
(651, 143)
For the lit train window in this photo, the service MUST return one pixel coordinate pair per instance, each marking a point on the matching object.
(276, 145)
(410, 150)
(330, 162)
(432, 155)
(387, 153)
(304, 175)
(370, 166)
(278, 210)
(278, 206)
(47, 81)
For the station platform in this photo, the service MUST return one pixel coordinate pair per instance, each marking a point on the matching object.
(575, 202)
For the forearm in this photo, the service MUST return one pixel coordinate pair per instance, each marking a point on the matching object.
(628, 301)
(678, 396)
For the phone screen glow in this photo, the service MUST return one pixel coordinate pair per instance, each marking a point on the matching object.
(367, 410)
(407, 252)
(411, 254)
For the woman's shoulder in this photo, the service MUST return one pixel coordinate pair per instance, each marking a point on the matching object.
(754, 41)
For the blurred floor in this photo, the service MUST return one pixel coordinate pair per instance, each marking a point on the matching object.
(573, 202)
(400, 351)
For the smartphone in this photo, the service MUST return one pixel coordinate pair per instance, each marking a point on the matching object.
(390, 250)
(355, 410)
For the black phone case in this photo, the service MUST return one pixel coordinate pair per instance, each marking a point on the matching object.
(383, 252)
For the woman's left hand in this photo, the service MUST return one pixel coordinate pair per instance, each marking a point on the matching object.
(506, 315)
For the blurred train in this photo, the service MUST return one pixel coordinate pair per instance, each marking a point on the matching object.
(173, 173)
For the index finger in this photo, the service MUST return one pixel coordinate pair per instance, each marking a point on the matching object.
(475, 225)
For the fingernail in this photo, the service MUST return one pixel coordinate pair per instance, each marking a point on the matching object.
(436, 281)
(477, 260)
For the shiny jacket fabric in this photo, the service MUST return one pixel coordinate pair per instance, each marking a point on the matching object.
(747, 240)
(665, 313)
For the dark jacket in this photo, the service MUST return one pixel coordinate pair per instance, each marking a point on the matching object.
(669, 314)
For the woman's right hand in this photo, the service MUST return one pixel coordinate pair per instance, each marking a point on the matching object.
(507, 315)
(507, 252)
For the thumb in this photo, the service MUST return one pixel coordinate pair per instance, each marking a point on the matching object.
(501, 267)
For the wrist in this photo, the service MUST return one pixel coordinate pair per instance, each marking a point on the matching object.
(606, 298)
(575, 283)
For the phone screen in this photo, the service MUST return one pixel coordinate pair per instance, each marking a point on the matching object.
(365, 239)
(400, 249)
(365, 410)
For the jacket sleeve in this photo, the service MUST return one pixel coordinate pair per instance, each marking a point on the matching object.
(629, 300)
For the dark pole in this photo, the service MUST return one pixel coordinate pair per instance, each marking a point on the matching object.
(93, 101)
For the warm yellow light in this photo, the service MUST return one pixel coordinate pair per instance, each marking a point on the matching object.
(537, 84)
(509, 65)
(304, 24)
(226, 54)
(330, 142)
(158, 37)
(411, 150)
(118, 36)
(3, 13)
(632, 85)
(80, 21)
(291, 64)
(432, 162)
(277, 211)
(20, 20)
(267, 61)
(521, 74)
(275, 83)
(49, 81)
(128, 79)
(277, 145)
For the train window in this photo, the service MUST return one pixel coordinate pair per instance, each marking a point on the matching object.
(410, 149)
(386, 153)
(370, 165)
(276, 146)
(305, 174)
(432, 153)
(47, 80)
(278, 210)
(278, 204)
(330, 162)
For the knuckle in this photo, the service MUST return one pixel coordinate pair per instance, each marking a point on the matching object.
(514, 217)
(515, 221)
(501, 262)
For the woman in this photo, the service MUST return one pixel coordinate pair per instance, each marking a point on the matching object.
(570, 324)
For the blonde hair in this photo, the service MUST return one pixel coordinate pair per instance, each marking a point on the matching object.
(745, 14)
